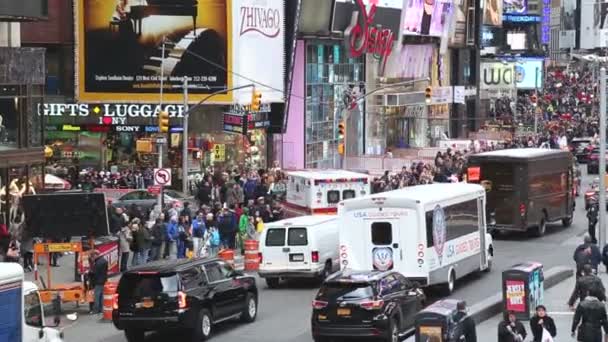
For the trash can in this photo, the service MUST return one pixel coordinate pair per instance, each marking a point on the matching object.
(436, 322)
(522, 289)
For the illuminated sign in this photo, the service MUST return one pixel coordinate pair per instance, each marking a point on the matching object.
(109, 110)
(546, 23)
(70, 128)
(521, 18)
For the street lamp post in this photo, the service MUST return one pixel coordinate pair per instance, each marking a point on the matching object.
(602, 161)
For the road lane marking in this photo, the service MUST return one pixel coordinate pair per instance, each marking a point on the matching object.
(561, 313)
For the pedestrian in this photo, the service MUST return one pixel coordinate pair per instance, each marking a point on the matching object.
(587, 283)
(172, 237)
(146, 243)
(589, 319)
(243, 225)
(213, 241)
(468, 324)
(182, 231)
(592, 217)
(136, 242)
(541, 325)
(198, 235)
(99, 276)
(224, 225)
(511, 329)
(125, 239)
(158, 235)
(587, 253)
(27, 250)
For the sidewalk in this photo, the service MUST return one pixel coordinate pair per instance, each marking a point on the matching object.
(555, 299)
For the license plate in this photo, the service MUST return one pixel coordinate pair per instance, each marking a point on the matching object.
(146, 304)
(297, 257)
(343, 312)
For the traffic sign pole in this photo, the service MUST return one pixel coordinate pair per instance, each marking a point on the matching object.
(160, 166)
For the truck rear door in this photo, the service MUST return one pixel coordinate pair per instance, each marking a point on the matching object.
(298, 249)
(274, 251)
(498, 180)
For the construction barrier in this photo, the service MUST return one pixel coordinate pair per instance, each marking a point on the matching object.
(109, 289)
(227, 255)
(252, 260)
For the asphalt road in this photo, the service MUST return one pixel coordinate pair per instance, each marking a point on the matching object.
(284, 313)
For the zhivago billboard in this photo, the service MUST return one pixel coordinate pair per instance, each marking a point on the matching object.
(119, 49)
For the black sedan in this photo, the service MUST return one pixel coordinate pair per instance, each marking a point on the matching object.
(367, 304)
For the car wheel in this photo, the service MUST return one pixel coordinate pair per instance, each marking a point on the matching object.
(272, 283)
(567, 222)
(393, 331)
(541, 229)
(134, 335)
(203, 327)
(251, 309)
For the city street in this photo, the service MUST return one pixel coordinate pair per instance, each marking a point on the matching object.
(284, 313)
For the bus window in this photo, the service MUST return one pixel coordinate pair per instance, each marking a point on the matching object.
(429, 229)
(382, 233)
(347, 194)
(333, 196)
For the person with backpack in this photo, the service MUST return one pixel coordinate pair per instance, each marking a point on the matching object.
(588, 283)
(214, 241)
(587, 253)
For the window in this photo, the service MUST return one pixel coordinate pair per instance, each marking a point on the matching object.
(388, 285)
(214, 272)
(347, 194)
(131, 196)
(275, 237)
(148, 285)
(333, 196)
(191, 276)
(382, 233)
(461, 219)
(345, 291)
(31, 308)
(297, 237)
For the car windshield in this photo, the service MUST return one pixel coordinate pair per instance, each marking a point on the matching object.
(345, 291)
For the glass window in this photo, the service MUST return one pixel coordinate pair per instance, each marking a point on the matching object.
(347, 194)
(333, 196)
(275, 237)
(382, 233)
(345, 291)
(32, 311)
(147, 285)
(461, 219)
(297, 237)
(11, 107)
(135, 195)
(388, 285)
(35, 125)
(190, 275)
(214, 272)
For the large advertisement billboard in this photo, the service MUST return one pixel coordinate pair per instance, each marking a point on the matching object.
(496, 75)
(426, 17)
(593, 24)
(492, 12)
(529, 74)
(119, 49)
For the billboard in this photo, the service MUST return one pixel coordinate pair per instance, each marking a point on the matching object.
(515, 6)
(426, 17)
(258, 32)
(119, 49)
(529, 74)
(593, 24)
(496, 75)
(492, 12)
(459, 34)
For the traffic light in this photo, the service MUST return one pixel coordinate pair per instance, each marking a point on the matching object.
(341, 130)
(428, 93)
(163, 122)
(256, 101)
(341, 148)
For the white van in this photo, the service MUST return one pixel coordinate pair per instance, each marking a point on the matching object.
(432, 234)
(300, 247)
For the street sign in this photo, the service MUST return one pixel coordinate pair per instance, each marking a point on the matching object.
(154, 190)
(162, 176)
(161, 140)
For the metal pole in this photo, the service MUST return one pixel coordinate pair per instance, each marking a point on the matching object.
(535, 105)
(160, 146)
(602, 171)
(185, 186)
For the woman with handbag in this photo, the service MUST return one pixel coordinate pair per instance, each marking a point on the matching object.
(12, 254)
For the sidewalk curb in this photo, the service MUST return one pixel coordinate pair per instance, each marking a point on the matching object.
(492, 305)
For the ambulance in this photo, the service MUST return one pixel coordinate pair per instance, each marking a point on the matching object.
(313, 192)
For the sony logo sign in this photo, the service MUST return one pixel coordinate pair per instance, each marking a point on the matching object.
(127, 128)
(109, 110)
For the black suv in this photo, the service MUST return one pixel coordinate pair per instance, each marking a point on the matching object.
(365, 304)
(193, 294)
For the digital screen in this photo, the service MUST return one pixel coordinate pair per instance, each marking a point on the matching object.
(492, 12)
(426, 17)
(515, 6)
(521, 18)
(517, 41)
(529, 74)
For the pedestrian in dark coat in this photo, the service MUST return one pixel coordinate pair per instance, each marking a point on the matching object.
(511, 330)
(99, 276)
(587, 283)
(541, 321)
(587, 253)
(589, 319)
(466, 322)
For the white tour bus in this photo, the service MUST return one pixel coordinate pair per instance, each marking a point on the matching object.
(312, 192)
(432, 234)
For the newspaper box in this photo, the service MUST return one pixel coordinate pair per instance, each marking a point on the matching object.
(436, 322)
(522, 289)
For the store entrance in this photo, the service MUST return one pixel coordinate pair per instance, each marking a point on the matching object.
(398, 132)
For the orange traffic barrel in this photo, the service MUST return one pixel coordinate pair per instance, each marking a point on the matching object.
(227, 255)
(109, 289)
(252, 260)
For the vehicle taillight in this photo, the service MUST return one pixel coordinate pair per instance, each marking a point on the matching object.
(260, 258)
(522, 209)
(372, 304)
(115, 301)
(314, 256)
(181, 300)
(318, 304)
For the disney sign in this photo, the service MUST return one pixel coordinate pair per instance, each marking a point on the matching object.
(362, 37)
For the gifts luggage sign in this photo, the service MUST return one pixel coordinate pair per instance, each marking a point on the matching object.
(162, 177)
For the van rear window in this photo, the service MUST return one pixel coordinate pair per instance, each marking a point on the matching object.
(148, 285)
(275, 237)
(382, 233)
(297, 237)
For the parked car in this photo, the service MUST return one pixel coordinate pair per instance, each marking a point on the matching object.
(369, 304)
(185, 294)
(145, 200)
(593, 165)
(578, 148)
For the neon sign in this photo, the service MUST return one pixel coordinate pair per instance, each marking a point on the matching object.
(545, 26)
(521, 18)
(361, 37)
